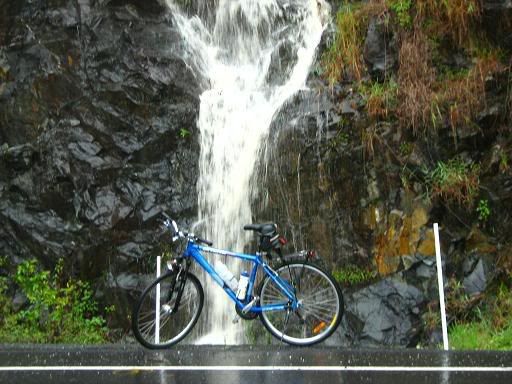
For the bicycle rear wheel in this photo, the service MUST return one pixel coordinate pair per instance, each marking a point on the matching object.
(320, 310)
(156, 321)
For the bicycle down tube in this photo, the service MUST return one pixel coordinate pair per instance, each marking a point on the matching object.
(194, 250)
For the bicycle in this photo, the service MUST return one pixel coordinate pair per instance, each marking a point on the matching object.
(298, 302)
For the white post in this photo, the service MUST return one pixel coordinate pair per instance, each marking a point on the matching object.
(441, 287)
(157, 301)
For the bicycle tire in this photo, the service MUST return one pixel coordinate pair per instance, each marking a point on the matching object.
(321, 307)
(183, 320)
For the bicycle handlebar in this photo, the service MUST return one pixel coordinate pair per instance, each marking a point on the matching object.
(170, 223)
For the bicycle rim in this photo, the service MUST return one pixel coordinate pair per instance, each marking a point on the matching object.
(321, 305)
(157, 323)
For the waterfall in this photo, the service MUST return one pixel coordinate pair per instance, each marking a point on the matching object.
(250, 56)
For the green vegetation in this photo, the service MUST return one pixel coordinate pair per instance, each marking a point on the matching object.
(504, 163)
(184, 132)
(480, 335)
(402, 10)
(58, 310)
(406, 148)
(483, 210)
(489, 327)
(455, 180)
(344, 56)
(447, 66)
(453, 18)
(381, 98)
(424, 93)
(353, 275)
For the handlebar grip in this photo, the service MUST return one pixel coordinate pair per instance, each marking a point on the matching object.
(207, 242)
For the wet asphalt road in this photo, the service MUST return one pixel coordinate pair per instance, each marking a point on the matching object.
(129, 364)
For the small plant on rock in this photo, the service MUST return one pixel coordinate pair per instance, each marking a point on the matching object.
(455, 180)
(483, 210)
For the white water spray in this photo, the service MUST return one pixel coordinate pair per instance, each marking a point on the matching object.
(250, 56)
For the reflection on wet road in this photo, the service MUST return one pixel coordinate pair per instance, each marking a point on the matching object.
(245, 364)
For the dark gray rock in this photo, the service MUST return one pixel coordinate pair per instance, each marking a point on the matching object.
(477, 276)
(497, 4)
(386, 313)
(496, 21)
(93, 97)
(380, 49)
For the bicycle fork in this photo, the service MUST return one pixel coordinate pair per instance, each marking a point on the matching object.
(181, 279)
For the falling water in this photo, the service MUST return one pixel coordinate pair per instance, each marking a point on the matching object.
(250, 56)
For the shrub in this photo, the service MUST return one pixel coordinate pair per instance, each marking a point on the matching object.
(402, 10)
(57, 309)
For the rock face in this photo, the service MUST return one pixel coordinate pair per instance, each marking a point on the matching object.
(354, 188)
(97, 134)
(380, 50)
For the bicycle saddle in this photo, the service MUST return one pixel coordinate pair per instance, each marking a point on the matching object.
(265, 229)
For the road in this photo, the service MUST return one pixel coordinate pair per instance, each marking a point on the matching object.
(130, 364)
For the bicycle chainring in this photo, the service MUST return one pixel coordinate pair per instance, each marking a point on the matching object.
(246, 316)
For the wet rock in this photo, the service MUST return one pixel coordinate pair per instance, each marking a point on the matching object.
(497, 4)
(19, 301)
(478, 274)
(477, 241)
(19, 157)
(380, 51)
(496, 21)
(93, 95)
(400, 234)
(385, 313)
(125, 281)
(427, 244)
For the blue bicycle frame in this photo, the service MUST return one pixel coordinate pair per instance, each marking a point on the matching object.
(194, 250)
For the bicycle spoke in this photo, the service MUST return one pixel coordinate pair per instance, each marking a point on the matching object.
(320, 305)
(317, 294)
(173, 325)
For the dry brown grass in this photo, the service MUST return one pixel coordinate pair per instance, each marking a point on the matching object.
(381, 98)
(426, 101)
(418, 107)
(450, 17)
(464, 97)
(344, 57)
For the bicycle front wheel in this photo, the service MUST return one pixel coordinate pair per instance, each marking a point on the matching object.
(320, 305)
(157, 322)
